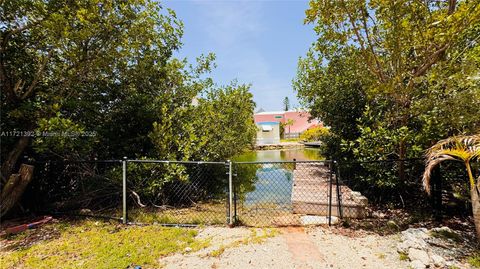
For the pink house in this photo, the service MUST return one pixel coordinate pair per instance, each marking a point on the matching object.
(300, 121)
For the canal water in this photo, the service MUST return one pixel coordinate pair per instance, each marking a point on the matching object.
(300, 154)
(270, 183)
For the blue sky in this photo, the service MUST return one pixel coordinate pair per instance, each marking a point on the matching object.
(257, 42)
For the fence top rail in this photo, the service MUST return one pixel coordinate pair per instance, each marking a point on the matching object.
(380, 161)
(179, 162)
(267, 162)
(75, 161)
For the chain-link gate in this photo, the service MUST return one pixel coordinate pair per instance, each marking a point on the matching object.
(283, 193)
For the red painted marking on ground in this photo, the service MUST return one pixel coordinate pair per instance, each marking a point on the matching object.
(301, 246)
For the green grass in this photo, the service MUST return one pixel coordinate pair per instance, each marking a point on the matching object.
(89, 244)
(212, 213)
(290, 140)
(381, 256)
(403, 256)
(474, 260)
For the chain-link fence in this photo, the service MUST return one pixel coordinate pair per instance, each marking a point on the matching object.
(86, 188)
(392, 181)
(243, 193)
(169, 192)
(398, 184)
(185, 193)
(282, 193)
(138, 191)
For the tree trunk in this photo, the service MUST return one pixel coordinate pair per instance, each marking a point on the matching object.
(401, 165)
(475, 193)
(12, 191)
(9, 163)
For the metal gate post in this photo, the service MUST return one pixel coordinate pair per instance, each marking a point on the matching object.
(124, 190)
(230, 193)
(339, 190)
(330, 196)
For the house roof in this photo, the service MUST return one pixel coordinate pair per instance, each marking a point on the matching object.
(275, 112)
(268, 123)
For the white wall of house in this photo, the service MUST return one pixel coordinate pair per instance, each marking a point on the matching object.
(268, 133)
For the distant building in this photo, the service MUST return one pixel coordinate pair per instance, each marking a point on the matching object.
(300, 121)
(260, 110)
(268, 133)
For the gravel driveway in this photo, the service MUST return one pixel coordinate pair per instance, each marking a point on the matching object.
(293, 247)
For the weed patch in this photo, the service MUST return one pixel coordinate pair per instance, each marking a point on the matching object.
(90, 244)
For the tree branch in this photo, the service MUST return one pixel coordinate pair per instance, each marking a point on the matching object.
(370, 44)
(362, 43)
(38, 75)
(451, 6)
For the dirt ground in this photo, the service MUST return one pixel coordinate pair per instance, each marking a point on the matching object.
(293, 247)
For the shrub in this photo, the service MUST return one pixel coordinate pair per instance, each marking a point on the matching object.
(314, 134)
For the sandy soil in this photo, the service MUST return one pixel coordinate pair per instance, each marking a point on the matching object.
(318, 247)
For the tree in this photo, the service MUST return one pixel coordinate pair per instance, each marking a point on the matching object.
(66, 64)
(457, 148)
(105, 68)
(54, 52)
(220, 127)
(286, 104)
(325, 90)
(285, 124)
(401, 56)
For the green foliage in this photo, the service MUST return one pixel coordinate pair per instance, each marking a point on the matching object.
(474, 260)
(60, 135)
(390, 78)
(106, 68)
(314, 134)
(284, 126)
(326, 90)
(286, 104)
(218, 127)
(225, 122)
(403, 256)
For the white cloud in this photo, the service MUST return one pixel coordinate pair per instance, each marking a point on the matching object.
(229, 23)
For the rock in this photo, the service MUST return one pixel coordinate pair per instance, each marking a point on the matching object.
(437, 260)
(445, 233)
(317, 220)
(403, 247)
(442, 229)
(413, 238)
(417, 265)
(411, 242)
(188, 249)
(419, 255)
(416, 233)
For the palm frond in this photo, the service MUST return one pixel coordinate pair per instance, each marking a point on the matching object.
(430, 165)
(464, 148)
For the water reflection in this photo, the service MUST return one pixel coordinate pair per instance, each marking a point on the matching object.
(268, 183)
(272, 185)
(301, 154)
